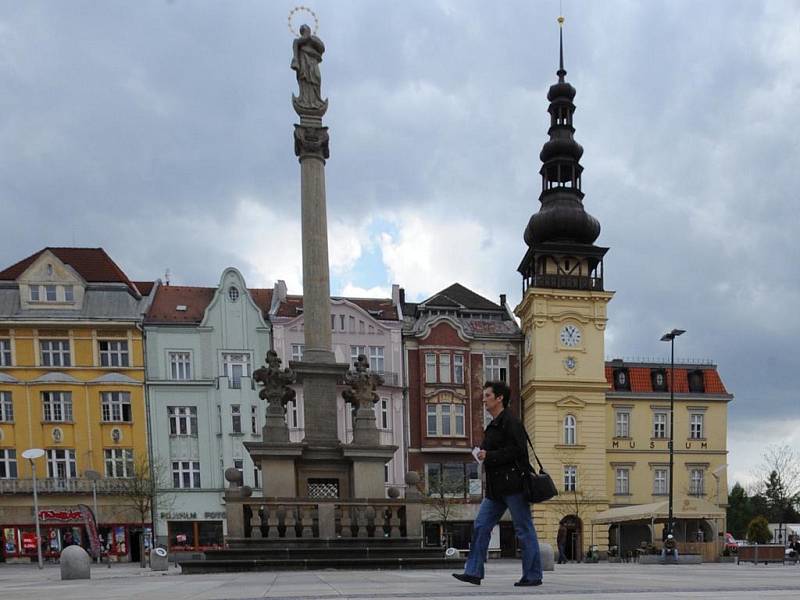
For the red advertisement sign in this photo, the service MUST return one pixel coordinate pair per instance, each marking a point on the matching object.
(28, 540)
(60, 515)
(91, 528)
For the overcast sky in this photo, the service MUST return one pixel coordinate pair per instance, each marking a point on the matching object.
(162, 131)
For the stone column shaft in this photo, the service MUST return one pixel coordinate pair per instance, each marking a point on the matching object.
(316, 278)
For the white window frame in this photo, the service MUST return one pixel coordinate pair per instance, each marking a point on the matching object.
(63, 458)
(570, 478)
(622, 481)
(657, 425)
(230, 360)
(385, 418)
(180, 365)
(115, 353)
(57, 407)
(355, 351)
(660, 481)
(236, 418)
(458, 368)
(55, 353)
(34, 293)
(297, 351)
(50, 293)
(112, 406)
(430, 367)
(6, 407)
(444, 367)
(450, 419)
(622, 426)
(186, 474)
(495, 368)
(570, 430)
(182, 420)
(377, 361)
(431, 418)
(5, 352)
(8, 463)
(254, 430)
(118, 462)
(697, 482)
(292, 415)
(696, 426)
(69, 293)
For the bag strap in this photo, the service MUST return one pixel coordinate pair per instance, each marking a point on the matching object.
(541, 468)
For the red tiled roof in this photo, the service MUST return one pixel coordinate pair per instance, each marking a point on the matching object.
(387, 309)
(145, 287)
(93, 264)
(195, 299)
(640, 378)
(169, 297)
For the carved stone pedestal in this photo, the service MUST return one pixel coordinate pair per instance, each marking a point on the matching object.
(278, 468)
(368, 466)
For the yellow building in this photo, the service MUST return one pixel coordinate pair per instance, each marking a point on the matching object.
(605, 444)
(72, 384)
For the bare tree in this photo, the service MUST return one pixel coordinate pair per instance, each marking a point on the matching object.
(138, 492)
(443, 498)
(785, 461)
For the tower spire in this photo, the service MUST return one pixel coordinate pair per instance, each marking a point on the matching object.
(561, 72)
(562, 225)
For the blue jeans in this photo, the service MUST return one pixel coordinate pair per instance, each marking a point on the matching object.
(488, 516)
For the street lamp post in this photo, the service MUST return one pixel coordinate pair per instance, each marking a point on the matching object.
(32, 454)
(670, 337)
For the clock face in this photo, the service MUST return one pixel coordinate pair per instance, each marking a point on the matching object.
(570, 335)
(570, 363)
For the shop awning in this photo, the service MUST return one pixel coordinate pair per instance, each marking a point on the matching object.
(685, 507)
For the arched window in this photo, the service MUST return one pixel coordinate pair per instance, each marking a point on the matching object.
(569, 430)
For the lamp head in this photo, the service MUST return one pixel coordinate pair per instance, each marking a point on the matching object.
(671, 335)
(33, 453)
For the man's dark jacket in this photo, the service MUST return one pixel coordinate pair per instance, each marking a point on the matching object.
(506, 448)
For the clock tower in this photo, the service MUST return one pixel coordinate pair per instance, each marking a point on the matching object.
(563, 317)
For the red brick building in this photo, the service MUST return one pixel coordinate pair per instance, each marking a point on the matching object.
(453, 342)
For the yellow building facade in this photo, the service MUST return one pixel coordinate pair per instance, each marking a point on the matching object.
(72, 384)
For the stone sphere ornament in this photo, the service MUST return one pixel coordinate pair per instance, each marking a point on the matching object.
(302, 9)
(412, 478)
(233, 475)
(393, 492)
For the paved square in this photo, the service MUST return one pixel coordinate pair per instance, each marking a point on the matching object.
(605, 581)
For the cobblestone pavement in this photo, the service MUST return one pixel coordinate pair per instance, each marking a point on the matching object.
(573, 581)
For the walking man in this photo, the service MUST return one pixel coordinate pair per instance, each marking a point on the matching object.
(504, 453)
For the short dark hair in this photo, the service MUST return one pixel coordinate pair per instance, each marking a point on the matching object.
(499, 388)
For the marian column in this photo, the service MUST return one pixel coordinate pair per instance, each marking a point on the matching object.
(318, 371)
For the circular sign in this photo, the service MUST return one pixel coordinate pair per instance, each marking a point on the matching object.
(451, 553)
(33, 453)
(305, 9)
(160, 552)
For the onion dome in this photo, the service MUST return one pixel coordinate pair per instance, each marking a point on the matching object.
(561, 217)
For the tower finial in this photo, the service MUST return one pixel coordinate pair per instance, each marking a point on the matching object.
(561, 72)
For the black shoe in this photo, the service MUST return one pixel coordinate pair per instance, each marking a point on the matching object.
(467, 578)
(526, 583)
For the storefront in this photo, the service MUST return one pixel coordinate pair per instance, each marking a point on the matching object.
(187, 533)
(65, 527)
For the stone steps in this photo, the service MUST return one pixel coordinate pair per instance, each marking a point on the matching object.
(290, 553)
(333, 562)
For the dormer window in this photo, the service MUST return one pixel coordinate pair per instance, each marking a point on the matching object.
(658, 378)
(69, 294)
(696, 383)
(233, 293)
(50, 293)
(34, 293)
(621, 380)
(50, 270)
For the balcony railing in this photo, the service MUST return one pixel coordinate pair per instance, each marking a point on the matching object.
(62, 486)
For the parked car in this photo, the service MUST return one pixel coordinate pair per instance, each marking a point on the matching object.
(731, 543)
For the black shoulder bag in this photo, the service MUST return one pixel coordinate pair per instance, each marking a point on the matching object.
(537, 487)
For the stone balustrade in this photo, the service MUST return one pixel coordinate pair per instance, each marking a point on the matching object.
(274, 518)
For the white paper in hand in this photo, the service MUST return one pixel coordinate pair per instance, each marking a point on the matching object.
(475, 452)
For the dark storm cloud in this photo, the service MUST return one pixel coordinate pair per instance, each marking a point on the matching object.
(139, 126)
